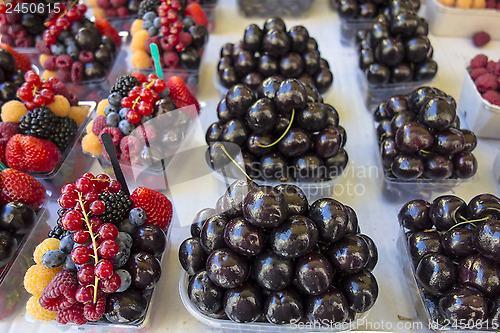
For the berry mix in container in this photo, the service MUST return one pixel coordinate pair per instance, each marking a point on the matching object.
(284, 133)
(452, 248)
(38, 130)
(266, 254)
(179, 31)
(273, 51)
(75, 49)
(13, 66)
(420, 138)
(146, 117)
(265, 8)
(101, 261)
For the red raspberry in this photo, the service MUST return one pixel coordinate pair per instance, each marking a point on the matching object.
(94, 311)
(122, 11)
(7, 131)
(64, 61)
(477, 72)
(98, 125)
(43, 47)
(170, 58)
(118, 3)
(491, 4)
(479, 61)
(60, 293)
(104, 4)
(115, 132)
(486, 82)
(492, 96)
(125, 156)
(185, 38)
(86, 56)
(63, 75)
(480, 39)
(77, 71)
(50, 63)
(129, 145)
(490, 66)
(72, 315)
(496, 71)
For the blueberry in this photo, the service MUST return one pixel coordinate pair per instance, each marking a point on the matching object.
(188, 22)
(126, 127)
(124, 239)
(121, 257)
(157, 22)
(149, 16)
(69, 265)
(109, 109)
(57, 49)
(53, 258)
(123, 113)
(112, 119)
(126, 226)
(115, 99)
(137, 216)
(66, 244)
(153, 31)
(73, 51)
(147, 24)
(126, 279)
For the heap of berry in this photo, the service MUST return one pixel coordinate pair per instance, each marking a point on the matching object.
(273, 51)
(22, 21)
(13, 66)
(356, 9)
(101, 267)
(396, 48)
(37, 131)
(488, 4)
(265, 253)
(420, 137)
(114, 8)
(134, 100)
(180, 33)
(287, 133)
(75, 49)
(486, 76)
(453, 247)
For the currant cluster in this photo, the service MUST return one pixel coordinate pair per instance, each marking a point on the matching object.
(63, 23)
(171, 26)
(34, 92)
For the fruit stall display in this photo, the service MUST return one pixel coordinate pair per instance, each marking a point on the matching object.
(13, 66)
(272, 51)
(315, 263)
(266, 8)
(452, 249)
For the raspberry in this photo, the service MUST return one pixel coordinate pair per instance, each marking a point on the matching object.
(104, 4)
(94, 311)
(3, 148)
(60, 106)
(129, 145)
(492, 96)
(86, 56)
(99, 125)
(60, 293)
(43, 47)
(79, 113)
(63, 75)
(480, 39)
(496, 71)
(35, 310)
(7, 131)
(118, 3)
(100, 107)
(64, 61)
(170, 59)
(12, 111)
(490, 66)
(72, 315)
(136, 26)
(91, 144)
(479, 61)
(491, 4)
(125, 156)
(46, 245)
(116, 134)
(486, 82)
(140, 59)
(77, 71)
(50, 63)
(73, 99)
(478, 72)
(38, 277)
(185, 38)
(122, 11)
(139, 41)
(110, 12)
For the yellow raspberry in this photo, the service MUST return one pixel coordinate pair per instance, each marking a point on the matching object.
(43, 57)
(46, 245)
(47, 75)
(99, 13)
(139, 41)
(35, 310)
(38, 277)
(479, 4)
(60, 106)
(91, 144)
(464, 3)
(448, 3)
(100, 107)
(92, 3)
(88, 128)
(13, 111)
(79, 113)
(136, 26)
(140, 60)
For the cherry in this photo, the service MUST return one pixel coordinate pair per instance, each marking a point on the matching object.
(114, 186)
(67, 200)
(72, 220)
(86, 274)
(80, 255)
(104, 269)
(108, 249)
(107, 231)
(81, 236)
(110, 285)
(97, 207)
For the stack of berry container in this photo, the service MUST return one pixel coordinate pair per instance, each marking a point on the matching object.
(449, 21)
(496, 167)
(267, 8)
(350, 26)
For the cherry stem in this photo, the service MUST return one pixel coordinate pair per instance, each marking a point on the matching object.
(282, 135)
(93, 238)
(476, 220)
(462, 223)
(425, 151)
(232, 160)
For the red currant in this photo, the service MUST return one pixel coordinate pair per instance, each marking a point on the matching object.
(114, 186)
(173, 39)
(110, 285)
(84, 294)
(81, 236)
(91, 196)
(81, 8)
(159, 85)
(79, 208)
(145, 108)
(25, 94)
(175, 4)
(133, 117)
(152, 77)
(53, 80)
(39, 100)
(30, 106)
(88, 175)
(97, 207)
(164, 21)
(46, 85)
(86, 274)
(164, 30)
(134, 92)
(80, 255)
(72, 15)
(95, 224)
(172, 16)
(68, 188)
(72, 220)
(102, 182)
(127, 102)
(178, 25)
(156, 96)
(48, 95)
(55, 30)
(180, 47)
(107, 231)
(3, 8)
(108, 249)
(32, 77)
(67, 200)
(104, 269)
(84, 185)
(146, 95)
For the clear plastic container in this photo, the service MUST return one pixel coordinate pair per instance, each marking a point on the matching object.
(226, 326)
(190, 76)
(496, 167)
(12, 294)
(350, 26)
(457, 22)
(482, 117)
(266, 8)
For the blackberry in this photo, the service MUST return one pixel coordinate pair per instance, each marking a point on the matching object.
(64, 132)
(124, 84)
(117, 207)
(58, 231)
(148, 6)
(38, 122)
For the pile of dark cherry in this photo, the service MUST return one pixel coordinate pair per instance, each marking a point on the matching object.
(10, 77)
(365, 9)
(265, 254)
(396, 48)
(455, 247)
(420, 137)
(273, 51)
(284, 132)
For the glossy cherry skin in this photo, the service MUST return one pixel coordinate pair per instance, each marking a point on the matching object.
(272, 271)
(269, 87)
(378, 74)
(308, 167)
(204, 293)
(290, 95)
(331, 219)
(372, 252)
(243, 303)
(438, 167)
(145, 270)
(402, 118)
(449, 142)
(200, 219)
(414, 215)
(352, 221)
(419, 97)
(484, 205)
(336, 164)
(192, 256)
(264, 206)
(126, 307)
(295, 198)
(330, 306)
(463, 304)
(464, 165)
(262, 116)
(267, 65)
(327, 142)
(438, 113)
(313, 117)
(480, 273)
(446, 211)
(295, 237)
(238, 99)
(470, 140)
(252, 38)
(149, 238)
(226, 268)
(276, 42)
(487, 239)
(17, 218)
(458, 242)
(390, 52)
(314, 273)
(283, 307)
(407, 166)
(348, 255)
(360, 290)
(295, 143)
(232, 200)
(273, 166)
(421, 243)
(412, 137)
(388, 151)
(243, 237)
(436, 273)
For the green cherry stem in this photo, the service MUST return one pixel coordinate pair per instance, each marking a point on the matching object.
(468, 221)
(282, 135)
(232, 160)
